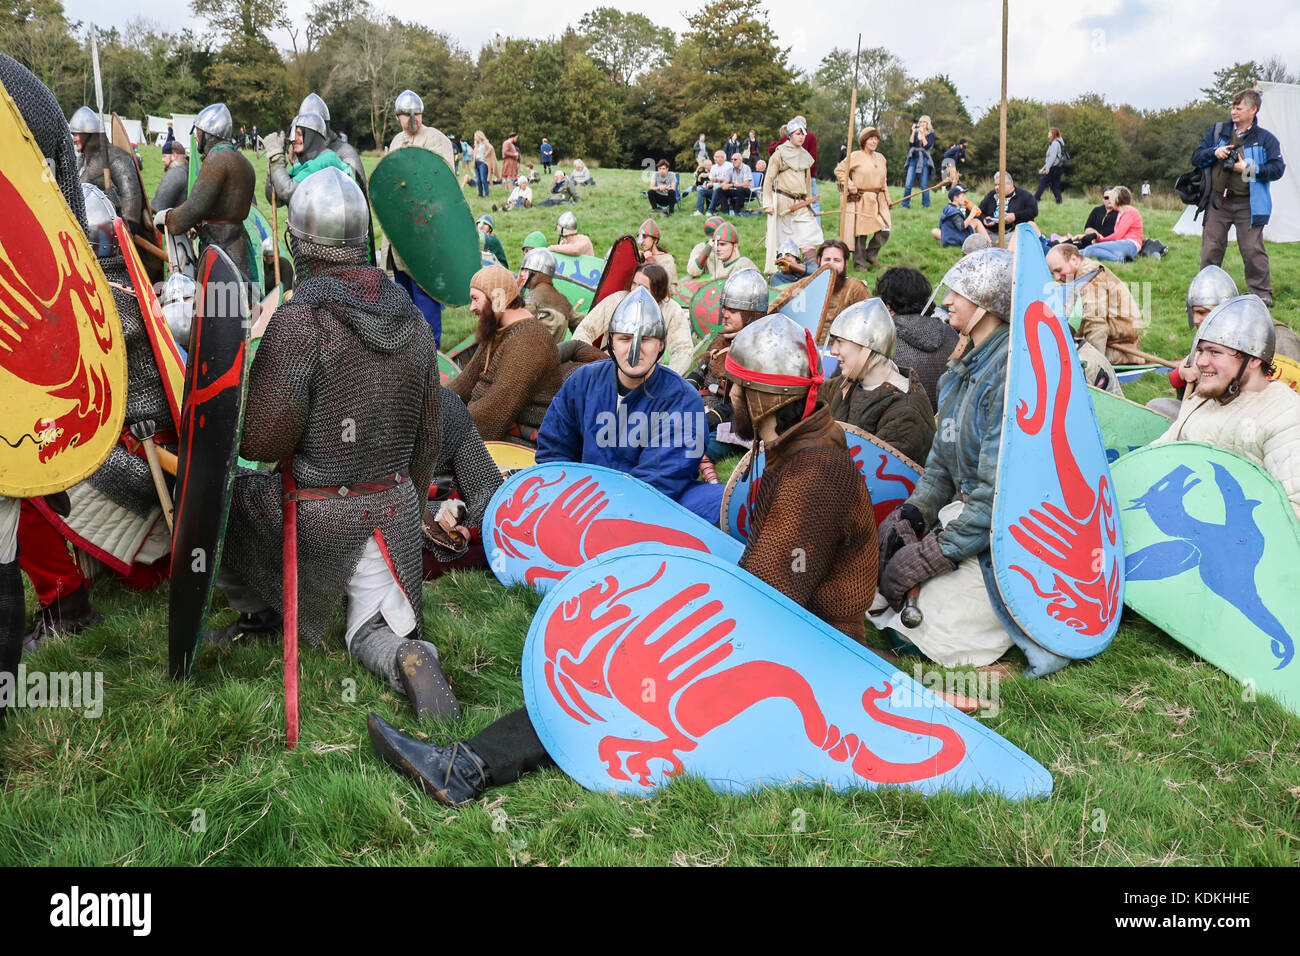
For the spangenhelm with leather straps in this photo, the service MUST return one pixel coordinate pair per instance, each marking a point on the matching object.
(539, 260)
(85, 120)
(329, 209)
(100, 214)
(868, 324)
(638, 315)
(1244, 324)
(777, 356)
(312, 103)
(648, 228)
(985, 278)
(567, 223)
(408, 102)
(215, 121)
(1211, 287)
(745, 291)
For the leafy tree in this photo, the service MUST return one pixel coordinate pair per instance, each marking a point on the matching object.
(1092, 137)
(653, 107)
(883, 88)
(1230, 81)
(625, 45)
(592, 102)
(737, 75)
(37, 34)
(1027, 125)
(247, 73)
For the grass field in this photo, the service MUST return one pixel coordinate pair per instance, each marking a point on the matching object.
(1157, 758)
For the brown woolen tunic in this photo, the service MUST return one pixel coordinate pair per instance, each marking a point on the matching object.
(512, 379)
(812, 527)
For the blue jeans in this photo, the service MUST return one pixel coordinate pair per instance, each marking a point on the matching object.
(912, 169)
(429, 307)
(1117, 250)
(703, 198)
(480, 174)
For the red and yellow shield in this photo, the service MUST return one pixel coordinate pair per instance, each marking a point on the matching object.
(62, 355)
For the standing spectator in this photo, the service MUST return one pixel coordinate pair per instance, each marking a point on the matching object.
(466, 154)
(735, 188)
(663, 188)
(1021, 204)
(732, 146)
(919, 161)
(749, 149)
(809, 138)
(243, 137)
(174, 185)
(1053, 166)
(954, 157)
(171, 138)
(866, 202)
(701, 150)
(481, 163)
(1126, 239)
(787, 196)
(510, 158)
(256, 140)
(493, 164)
(1146, 192)
(548, 154)
(1242, 163)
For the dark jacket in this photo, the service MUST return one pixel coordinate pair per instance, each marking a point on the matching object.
(1022, 205)
(1261, 149)
(905, 421)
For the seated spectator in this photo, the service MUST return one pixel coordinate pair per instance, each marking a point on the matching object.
(533, 176)
(1101, 221)
(521, 197)
(1125, 238)
(925, 342)
(1020, 204)
(959, 219)
(702, 191)
(791, 265)
(1109, 315)
(717, 176)
(592, 330)
(869, 390)
(663, 188)
(734, 191)
(581, 174)
(515, 371)
(563, 191)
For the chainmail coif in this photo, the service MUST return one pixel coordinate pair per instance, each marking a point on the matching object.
(345, 380)
(44, 117)
(812, 528)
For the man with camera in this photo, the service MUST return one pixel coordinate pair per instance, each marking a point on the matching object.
(1242, 161)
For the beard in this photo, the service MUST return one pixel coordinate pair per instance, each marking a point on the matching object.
(741, 423)
(488, 326)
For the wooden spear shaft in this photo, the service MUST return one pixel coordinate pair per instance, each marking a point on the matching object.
(1002, 139)
(848, 153)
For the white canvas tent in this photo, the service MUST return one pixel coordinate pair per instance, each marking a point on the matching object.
(1280, 115)
(181, 124)
(134, 129)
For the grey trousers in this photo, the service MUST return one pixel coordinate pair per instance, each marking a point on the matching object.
(1250, 240)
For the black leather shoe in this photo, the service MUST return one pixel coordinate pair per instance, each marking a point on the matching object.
(260, 625)
(66, 615)
(452, 775)
(424, 683)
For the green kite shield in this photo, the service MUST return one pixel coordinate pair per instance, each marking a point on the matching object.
(418, 202)
(1211, 550)
(1125, 426)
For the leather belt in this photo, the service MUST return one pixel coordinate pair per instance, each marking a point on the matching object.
(357, 489)
(787, 195)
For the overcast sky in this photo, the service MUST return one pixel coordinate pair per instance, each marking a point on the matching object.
(1148, 53)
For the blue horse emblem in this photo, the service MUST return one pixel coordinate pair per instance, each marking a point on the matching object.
(1226, 555)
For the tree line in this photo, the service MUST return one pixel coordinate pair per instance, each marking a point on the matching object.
(615, 88)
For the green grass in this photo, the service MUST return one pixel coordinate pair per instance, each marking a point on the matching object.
(1156, 757)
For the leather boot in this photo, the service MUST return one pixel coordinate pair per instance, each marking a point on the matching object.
(423, 682)
(873, 250)
(66, 615)
(267, 624)
(860, 253)
(452, 775)
(374, 646)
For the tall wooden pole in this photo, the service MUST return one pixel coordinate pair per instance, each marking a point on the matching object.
(1002, 140)
(848, 155)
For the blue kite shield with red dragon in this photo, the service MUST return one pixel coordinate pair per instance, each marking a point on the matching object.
(1057, 550)
(649, 663)
(890, 476)
(547, 520)
(62, 355)
(1213, 548)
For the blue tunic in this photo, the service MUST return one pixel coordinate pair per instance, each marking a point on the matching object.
(656, 434)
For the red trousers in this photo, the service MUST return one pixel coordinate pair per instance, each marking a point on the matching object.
(47, 559)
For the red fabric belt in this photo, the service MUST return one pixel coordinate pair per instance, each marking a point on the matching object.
(357, 489)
